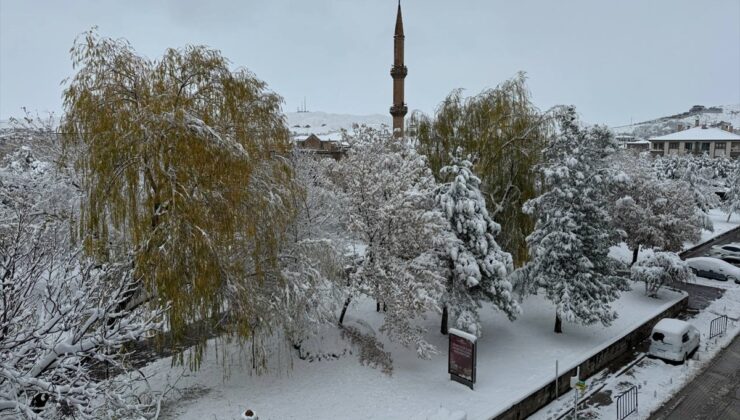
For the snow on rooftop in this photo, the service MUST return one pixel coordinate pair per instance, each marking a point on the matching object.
(322, 122)
(698, 133)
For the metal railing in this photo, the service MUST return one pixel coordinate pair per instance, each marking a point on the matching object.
(718, 326)
(627, 403)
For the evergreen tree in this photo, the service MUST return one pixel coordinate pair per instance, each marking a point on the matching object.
(479, 268)
(570, 244)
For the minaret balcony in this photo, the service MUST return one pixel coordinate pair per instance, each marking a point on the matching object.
(399, 110)
(399, 71)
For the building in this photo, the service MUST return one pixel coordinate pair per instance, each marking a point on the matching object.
(332, 146)
(398, 73)
(698, 140)
(640, 145)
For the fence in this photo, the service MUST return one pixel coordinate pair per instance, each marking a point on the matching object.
(627, 403)
(718, 326)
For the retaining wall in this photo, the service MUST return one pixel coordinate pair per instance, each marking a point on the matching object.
(543, 396)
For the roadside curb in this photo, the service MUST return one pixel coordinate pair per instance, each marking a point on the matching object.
(705, 243)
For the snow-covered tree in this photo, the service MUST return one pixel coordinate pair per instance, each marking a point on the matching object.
(704, 195)
(570, 244)
(505, 133)
(181, 167)
(390, 209)
(653, 213)
(731, 203)
(61, 324)
(479, 268)
(656, 268)
(702, 174)
(61, 317)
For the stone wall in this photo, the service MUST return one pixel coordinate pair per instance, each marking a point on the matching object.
(543, 396)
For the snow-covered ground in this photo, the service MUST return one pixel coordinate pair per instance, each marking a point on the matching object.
(730, 114)
(514, 358)
(721, 225)
(656, 380)
(302, 123)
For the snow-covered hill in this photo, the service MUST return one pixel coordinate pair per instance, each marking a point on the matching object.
(711, 116)
(326, 123)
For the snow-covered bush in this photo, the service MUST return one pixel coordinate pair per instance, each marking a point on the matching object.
(479, 266)
(656, 268)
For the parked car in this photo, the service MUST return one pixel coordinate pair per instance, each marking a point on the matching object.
(732, 260)
(713, 268)
(726, 250)
(673, 339)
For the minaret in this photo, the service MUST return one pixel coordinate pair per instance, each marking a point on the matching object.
(398, 73)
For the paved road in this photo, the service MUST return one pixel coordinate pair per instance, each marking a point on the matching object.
(714, 394)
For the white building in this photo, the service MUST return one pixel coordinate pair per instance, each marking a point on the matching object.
(698, 140)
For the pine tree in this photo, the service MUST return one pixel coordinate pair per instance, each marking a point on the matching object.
(479, 268)
(570, 244)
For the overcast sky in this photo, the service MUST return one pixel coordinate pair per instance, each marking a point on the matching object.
(616, 61)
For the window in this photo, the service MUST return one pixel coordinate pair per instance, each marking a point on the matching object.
(658, 336)
(673, 145)
(658, 146)
(719, 145)
(731, 248)
(685, 338)
(705, 147)
(688, 146)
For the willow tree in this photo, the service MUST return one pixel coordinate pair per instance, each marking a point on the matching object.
(182, 176)
(504, 133)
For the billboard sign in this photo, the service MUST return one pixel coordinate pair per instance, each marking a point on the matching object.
(462, 357)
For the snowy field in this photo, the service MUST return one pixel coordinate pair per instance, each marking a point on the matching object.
(658, 381)
(513, 360)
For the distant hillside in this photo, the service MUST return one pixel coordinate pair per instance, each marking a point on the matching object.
(301, 123)
(711, 116)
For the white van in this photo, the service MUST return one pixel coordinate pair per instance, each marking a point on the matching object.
(673, 339)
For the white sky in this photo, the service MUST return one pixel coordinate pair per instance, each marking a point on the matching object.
(614, 60)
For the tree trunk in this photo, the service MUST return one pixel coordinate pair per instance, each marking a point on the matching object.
(385, 308)
(558, 324)
(344, 309)
(635, 252)
(444, 327)
(377, 306)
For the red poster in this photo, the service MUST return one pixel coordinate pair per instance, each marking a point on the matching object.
(462, 357)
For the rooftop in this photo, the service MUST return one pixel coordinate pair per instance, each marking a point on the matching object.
(698, 133)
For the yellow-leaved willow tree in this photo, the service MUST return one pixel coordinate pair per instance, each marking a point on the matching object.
(504, 134)
(181, 163)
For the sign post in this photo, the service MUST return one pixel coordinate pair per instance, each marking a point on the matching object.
(579, 387)
(462, 355)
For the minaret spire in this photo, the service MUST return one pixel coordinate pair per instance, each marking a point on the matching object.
(398, 73)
